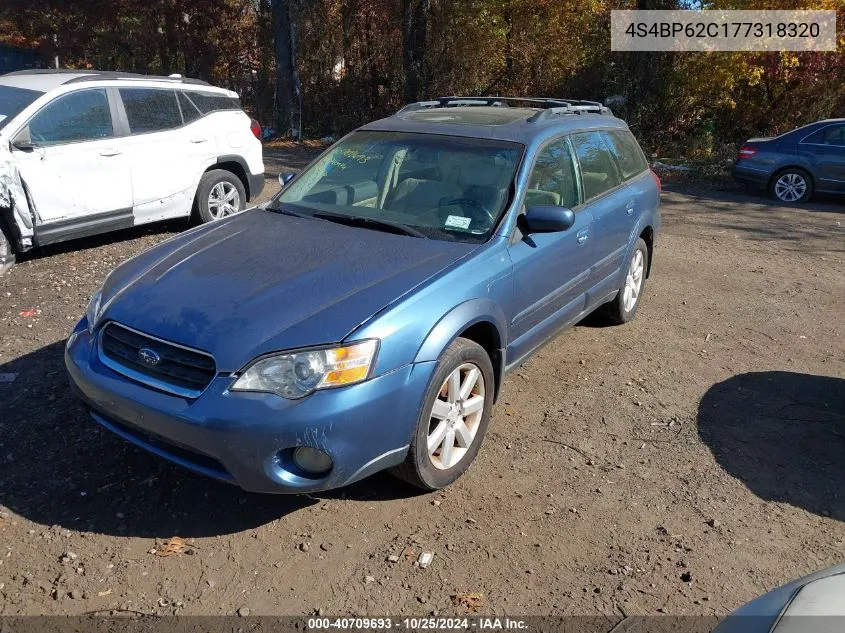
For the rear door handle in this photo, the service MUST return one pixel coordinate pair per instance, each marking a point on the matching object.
(582, 236)
(110, 151)
(198, 139)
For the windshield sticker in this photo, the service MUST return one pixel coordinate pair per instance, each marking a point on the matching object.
(458, 222)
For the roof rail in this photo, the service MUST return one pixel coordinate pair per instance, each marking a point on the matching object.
(549, 107)
(97, 75)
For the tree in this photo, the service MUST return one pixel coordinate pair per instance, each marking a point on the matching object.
(288, 87)
(414, 32)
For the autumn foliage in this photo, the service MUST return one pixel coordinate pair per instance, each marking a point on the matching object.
(325, 66)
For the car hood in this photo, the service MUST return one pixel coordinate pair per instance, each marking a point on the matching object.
(262, 282)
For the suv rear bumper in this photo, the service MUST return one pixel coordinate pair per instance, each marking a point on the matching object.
(256, 185)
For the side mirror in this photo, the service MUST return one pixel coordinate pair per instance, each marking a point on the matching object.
(548, 219)
(286, 177)
(23, 141)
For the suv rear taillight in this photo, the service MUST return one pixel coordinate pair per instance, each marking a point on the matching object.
(746, 152)
(657, 180)
(255, 128)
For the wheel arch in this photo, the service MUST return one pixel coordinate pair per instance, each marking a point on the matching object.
(479, 320)
(647, 236)
(777, 173)
(237, 165)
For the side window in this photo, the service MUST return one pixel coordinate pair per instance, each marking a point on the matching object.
(627, 153)
(598, 171)
(190, 112)
(830, 135)
(207, 102)
(74, 117)
(150, 109)
(553, 179)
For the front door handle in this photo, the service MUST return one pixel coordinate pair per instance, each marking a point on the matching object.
(110, 151)
(198, 139)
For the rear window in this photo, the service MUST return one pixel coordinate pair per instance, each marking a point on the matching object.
(598, 169)
(627, 153)
(189, 110)
(13, 101)
(830, 135)
(207, 102)
(150, 109)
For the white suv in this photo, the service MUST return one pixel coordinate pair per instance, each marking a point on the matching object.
(85, 152)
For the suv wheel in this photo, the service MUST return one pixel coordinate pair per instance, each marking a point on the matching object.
(791, 185)
(7, 251)
(454, 418)
(220, 193)
(623, 308)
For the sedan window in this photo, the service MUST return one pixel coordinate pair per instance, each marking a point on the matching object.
(74, 117)
(830, 135)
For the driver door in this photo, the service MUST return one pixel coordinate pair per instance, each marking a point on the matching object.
(74, 167)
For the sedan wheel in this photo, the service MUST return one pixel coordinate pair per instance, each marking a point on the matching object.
(790, 187)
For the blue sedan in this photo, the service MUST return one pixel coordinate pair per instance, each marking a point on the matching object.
(366, 318)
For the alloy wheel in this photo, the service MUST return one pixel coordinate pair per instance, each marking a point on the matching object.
(223, 200)
(456, 416)
(633, 281)
(790, 187)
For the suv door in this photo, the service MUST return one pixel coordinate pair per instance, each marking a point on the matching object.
(550, 270)
(824, 151)
(73, 167)
(166, 158)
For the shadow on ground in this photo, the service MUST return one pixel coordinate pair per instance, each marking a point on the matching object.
(58, 467)
(782, 434)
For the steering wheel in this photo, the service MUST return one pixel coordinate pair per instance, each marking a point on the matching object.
(475, 204)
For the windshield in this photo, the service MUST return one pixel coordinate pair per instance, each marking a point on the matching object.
(13, 101)
(443, 187)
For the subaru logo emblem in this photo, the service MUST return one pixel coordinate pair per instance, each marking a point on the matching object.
(148, 356)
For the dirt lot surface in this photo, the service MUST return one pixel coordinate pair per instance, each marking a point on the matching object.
(683, 464)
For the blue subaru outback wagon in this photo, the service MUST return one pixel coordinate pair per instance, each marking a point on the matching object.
(366, 318)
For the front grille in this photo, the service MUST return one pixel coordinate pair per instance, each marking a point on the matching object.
(176, 369)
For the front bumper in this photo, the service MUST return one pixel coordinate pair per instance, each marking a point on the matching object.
(256, 185)
(242, 438)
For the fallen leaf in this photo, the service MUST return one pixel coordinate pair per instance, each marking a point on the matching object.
(408, 553)
(472, 602)
(175, 545)
(29, 313)
(104, 593)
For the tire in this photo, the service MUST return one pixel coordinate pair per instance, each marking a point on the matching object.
(428, 470)
(621, 310)
(7, 250)
(791, 185)
(226, 187)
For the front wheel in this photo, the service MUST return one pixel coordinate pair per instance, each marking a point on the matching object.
(220, 193)
(454, 418)
(7, 251)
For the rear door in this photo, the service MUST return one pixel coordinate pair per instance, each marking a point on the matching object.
(611, 204)
(824, 152)
(550, 270)
(165, 157)
(75, 169)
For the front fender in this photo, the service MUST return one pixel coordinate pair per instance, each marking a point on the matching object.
(461, 318)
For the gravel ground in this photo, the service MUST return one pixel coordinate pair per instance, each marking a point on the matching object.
(681, 464)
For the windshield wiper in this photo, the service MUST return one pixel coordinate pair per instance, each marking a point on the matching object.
(365, 222)
(286, 210)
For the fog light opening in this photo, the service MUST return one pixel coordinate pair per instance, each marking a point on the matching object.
(312, 461)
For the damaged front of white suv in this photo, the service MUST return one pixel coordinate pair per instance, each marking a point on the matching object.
(15, 213)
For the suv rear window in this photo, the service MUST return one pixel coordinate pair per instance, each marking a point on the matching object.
(598, 169)
(207, 102)
(150, 109)
(13, 101)
(627, 153)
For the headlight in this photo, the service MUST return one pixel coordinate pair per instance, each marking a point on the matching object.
(296, 374)
(92, 312)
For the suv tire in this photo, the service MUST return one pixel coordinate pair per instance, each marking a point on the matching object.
(219, 194)
(792, 186)
(7, 249)
(624, 307)
(439, 467)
